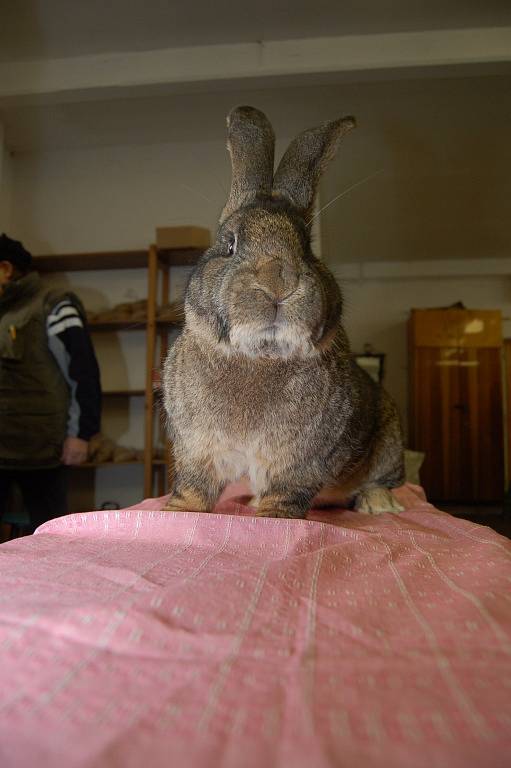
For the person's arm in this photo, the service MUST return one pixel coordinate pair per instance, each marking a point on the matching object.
(72, 348)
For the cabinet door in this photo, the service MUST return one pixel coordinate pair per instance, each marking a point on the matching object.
(458, 423)
(482, 425)
(436, 424)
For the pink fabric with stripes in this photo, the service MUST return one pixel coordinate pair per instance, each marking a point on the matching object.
(140, 638)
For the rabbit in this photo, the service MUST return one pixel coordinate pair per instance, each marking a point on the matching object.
(261, 382)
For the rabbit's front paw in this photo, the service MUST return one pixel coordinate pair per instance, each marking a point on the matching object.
(376, 501)
(187, 501)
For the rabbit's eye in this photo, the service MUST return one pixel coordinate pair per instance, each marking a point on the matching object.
(231, 246)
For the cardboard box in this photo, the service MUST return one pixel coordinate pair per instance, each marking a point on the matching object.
(182, 237)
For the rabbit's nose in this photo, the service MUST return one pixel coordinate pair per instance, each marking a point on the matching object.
(277, 279)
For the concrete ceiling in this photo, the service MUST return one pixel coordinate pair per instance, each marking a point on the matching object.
(103, 72)
(48, 29)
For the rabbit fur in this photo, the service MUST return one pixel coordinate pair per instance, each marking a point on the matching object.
(261, 382)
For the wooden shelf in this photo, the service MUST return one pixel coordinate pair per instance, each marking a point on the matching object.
(169, 324)
(118, 325)
(74, 262)
(127, 325)
(123, 393)
(96, 464)
(77, 262)
(179, 257)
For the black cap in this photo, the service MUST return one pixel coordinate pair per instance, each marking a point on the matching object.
(13, 251)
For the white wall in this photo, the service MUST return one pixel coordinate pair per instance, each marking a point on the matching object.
(444, 190)
(442, 196)
(112, 198)
(5, 185)
(442, 147)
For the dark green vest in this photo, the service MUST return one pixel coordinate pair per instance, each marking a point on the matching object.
(34, 396)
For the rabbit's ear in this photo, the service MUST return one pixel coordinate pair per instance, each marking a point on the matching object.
(251, 143)
(305, 160)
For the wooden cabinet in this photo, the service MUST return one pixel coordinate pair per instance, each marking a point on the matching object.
(456, 405)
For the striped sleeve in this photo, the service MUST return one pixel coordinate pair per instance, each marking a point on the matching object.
(70, 344)
(63, 316)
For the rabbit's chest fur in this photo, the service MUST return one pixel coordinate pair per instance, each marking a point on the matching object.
(247, 415)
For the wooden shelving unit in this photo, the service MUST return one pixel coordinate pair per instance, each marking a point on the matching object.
(96, 464)
(123, 393)
(117, 325)
(160, 260)
(157, 263)
(128, 325)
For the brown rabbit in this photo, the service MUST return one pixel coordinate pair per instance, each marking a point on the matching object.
(260, 382)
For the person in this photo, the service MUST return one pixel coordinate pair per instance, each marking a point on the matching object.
(50, 391)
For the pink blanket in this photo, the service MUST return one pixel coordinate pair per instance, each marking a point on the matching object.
(141, 639)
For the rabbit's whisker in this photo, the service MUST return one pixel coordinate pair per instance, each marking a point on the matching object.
(196, 192)
(214, 176)
(344, 192)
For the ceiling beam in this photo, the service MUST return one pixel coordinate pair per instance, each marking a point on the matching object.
(93, 74)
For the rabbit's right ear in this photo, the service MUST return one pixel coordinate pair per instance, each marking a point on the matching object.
(304, 161)
(251, 144)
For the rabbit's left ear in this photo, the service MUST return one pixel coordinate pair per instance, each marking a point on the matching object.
(304, 161)
(251, 144)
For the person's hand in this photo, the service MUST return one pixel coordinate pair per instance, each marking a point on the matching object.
(74, 451)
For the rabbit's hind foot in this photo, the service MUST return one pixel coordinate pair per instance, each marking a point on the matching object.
(278, 506)
(185, 501)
